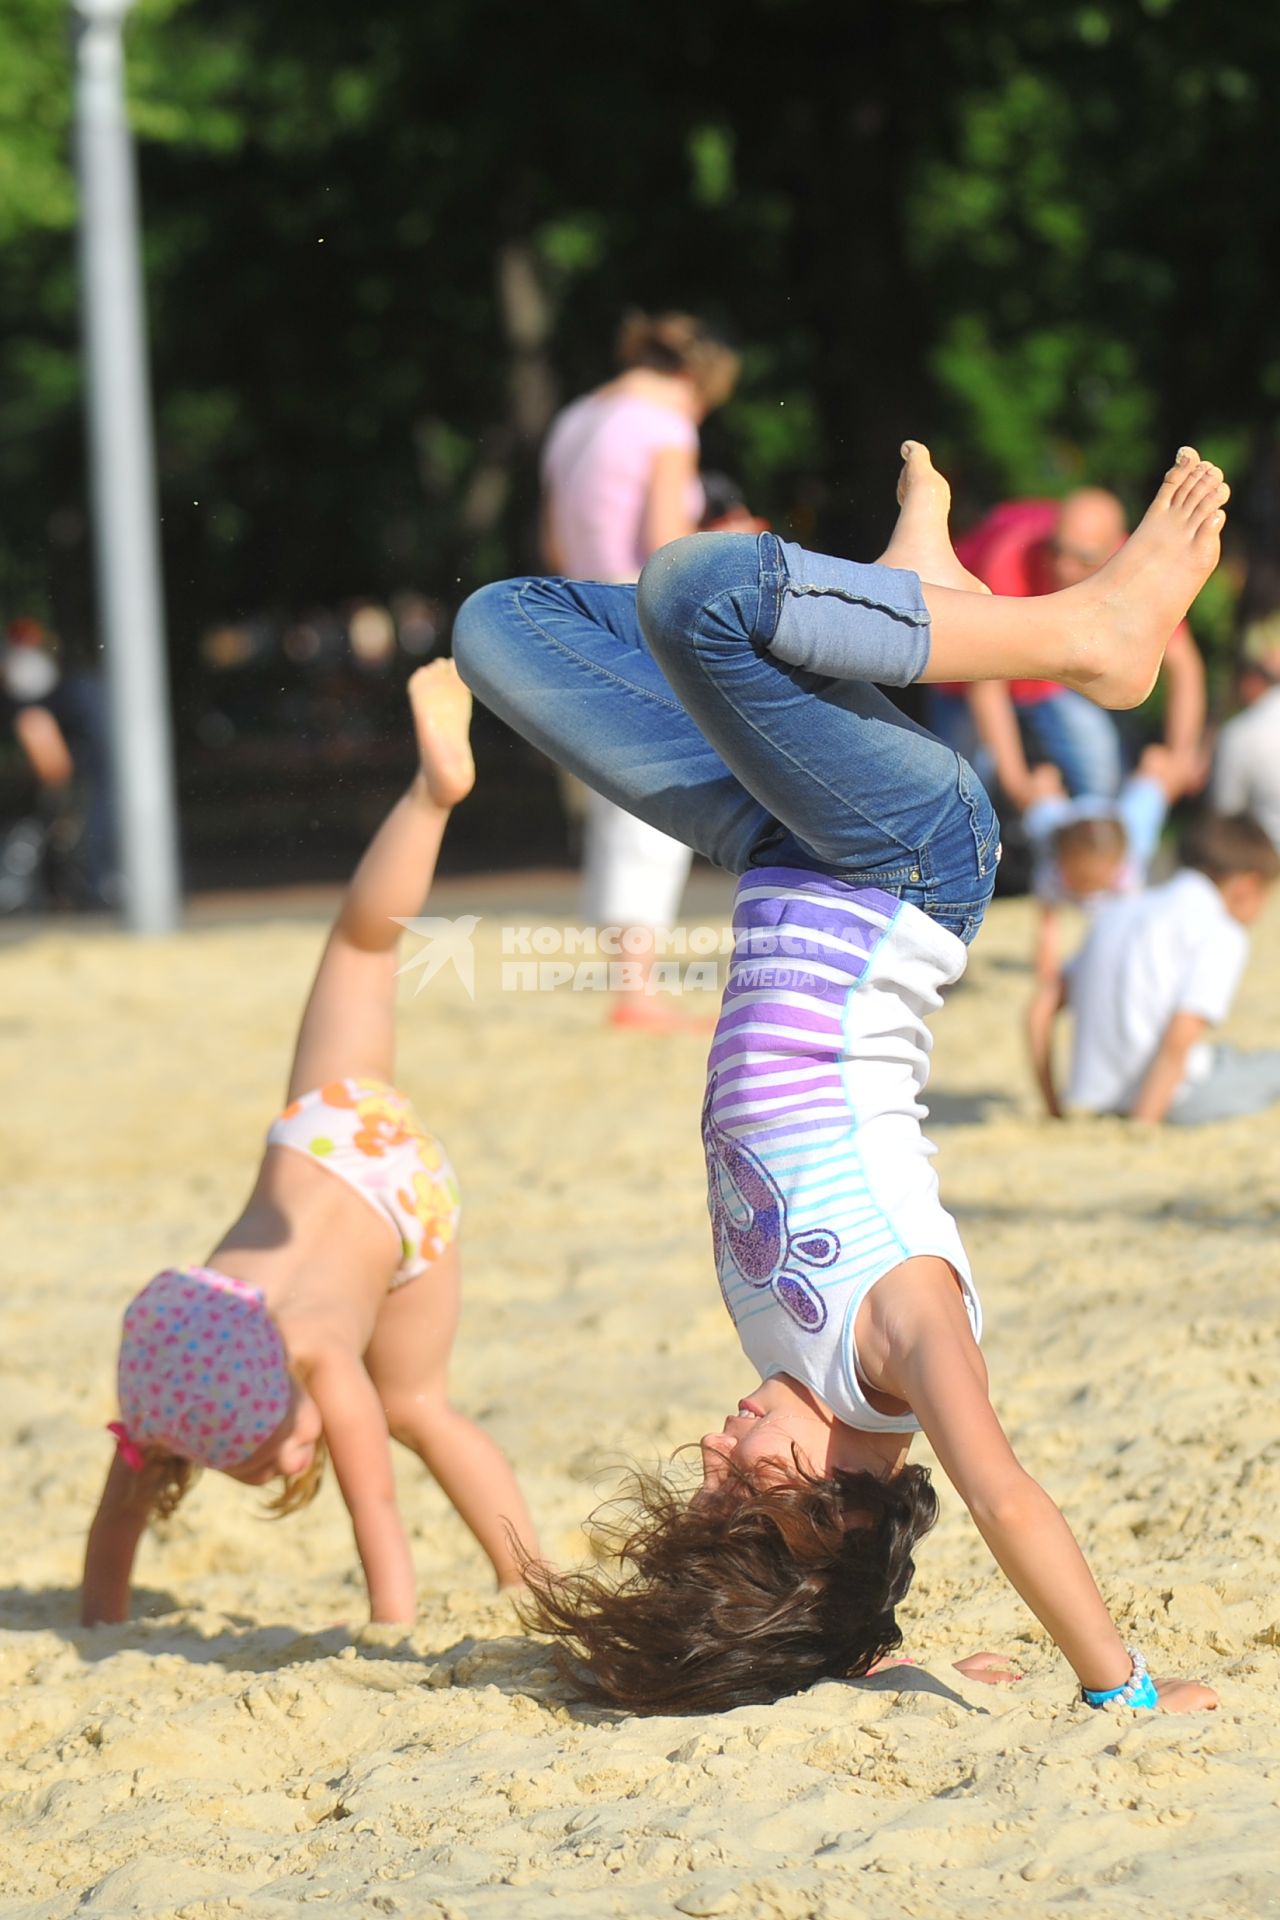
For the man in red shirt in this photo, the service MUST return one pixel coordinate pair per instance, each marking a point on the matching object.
(1029, 547)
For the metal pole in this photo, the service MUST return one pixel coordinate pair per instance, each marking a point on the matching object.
(130, 606)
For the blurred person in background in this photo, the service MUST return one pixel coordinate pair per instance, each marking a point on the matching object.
(1246, 766)
(1085, 853)
(725, 509)
(1029, 547)
(620, 480)
(1157, 973)
(59, 720)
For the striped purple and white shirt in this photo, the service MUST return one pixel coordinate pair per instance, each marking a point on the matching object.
(819, 1176)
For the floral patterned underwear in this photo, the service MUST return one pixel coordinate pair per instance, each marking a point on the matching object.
(368, 1134)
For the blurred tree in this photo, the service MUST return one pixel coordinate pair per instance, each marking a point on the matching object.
(383, 244)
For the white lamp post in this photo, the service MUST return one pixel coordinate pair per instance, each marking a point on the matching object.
(130, 606)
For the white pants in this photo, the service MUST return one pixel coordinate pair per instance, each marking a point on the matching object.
(632, 875)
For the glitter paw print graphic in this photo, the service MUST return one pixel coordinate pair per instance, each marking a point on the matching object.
(749, 1226)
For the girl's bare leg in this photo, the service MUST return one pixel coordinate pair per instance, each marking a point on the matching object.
(1106, 636)
(408, 1360)
(348, 1027)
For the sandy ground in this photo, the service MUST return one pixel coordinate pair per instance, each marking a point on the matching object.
(237, 1750)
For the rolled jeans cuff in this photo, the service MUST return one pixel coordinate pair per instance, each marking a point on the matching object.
(848, 621)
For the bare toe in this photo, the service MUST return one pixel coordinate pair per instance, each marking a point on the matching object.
(1189, 482)
(1185, 461)
(1204, 490)
(917, 466)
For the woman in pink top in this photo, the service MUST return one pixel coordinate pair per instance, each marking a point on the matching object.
(620, 479)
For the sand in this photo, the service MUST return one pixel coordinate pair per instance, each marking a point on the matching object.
(244, 1747)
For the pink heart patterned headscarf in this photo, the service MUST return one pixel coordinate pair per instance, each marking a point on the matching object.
(202, 1372)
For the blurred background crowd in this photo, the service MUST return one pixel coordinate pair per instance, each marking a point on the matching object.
(385, 249)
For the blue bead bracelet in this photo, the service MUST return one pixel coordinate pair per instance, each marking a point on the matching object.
(1138, 1690)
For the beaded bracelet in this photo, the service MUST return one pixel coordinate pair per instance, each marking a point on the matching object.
(1137, 1691)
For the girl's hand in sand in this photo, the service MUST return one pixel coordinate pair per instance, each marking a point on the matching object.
(1185, 1696)
(993, 1669)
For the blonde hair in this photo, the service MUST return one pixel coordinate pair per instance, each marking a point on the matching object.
(170, 1478)
(300, 1489)
(680, 344)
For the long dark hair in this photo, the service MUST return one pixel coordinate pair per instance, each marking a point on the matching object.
(739, 1597)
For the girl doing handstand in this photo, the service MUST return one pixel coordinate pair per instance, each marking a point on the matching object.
(730, 699)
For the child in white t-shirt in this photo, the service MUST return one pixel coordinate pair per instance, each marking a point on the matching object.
(1157, 971)
(1084, 853)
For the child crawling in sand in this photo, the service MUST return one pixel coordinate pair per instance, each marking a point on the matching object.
(1084, 853)
(729, 699)
(1156, 974)
(324, 1318)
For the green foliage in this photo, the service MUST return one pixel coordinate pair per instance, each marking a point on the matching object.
(35, 184)
(711, 158)
(1056, 407)
(1037, 233)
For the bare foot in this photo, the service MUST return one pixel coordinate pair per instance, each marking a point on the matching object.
(922, 540)
(442, 720)
(1124, 615)
(1185, 1696)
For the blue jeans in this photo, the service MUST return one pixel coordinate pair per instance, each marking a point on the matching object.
(1079, 738)
(950, 716)
(666, 699)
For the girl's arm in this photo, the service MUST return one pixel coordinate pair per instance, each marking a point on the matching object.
(937, 1369)
(548, 540)
(355, 1429)
(118, 1526)
(666, 515)
(995, 720)
(1166, 1072)
(1184, 696)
